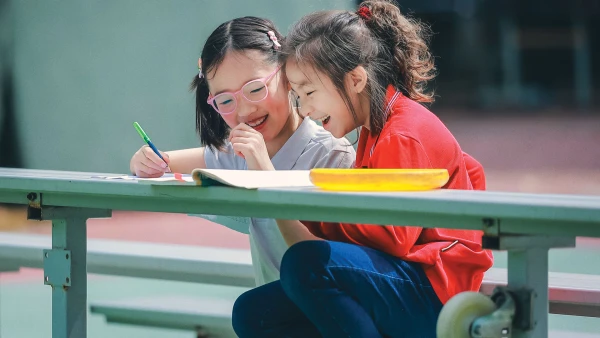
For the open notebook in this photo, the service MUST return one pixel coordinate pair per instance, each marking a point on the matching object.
(248, 179)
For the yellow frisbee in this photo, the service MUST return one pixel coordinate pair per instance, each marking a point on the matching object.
(378, 179)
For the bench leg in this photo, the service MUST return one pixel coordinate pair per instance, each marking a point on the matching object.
(65, 269)
(528, 270)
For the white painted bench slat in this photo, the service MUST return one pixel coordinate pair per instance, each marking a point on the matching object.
(572, 294)
(135, 259)
(209, 316)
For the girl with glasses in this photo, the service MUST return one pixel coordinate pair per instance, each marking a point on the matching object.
(246, 121)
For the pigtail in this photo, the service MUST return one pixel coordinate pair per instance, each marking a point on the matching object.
(212, 129)
(407, 40)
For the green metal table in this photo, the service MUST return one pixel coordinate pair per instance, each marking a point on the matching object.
(526, 225)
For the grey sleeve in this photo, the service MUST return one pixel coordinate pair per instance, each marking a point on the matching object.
(342, 155)
(347, 159)
(223, 159)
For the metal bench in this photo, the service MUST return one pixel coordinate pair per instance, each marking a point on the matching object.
(527, 226)
(569, 294)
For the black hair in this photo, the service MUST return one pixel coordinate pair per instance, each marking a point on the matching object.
(245, 33)
(391, 47)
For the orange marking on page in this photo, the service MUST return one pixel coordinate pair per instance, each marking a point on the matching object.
(178, 177)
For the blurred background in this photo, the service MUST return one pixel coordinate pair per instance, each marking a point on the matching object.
(518, 86)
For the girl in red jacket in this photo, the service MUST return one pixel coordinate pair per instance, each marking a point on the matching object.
(368, 69)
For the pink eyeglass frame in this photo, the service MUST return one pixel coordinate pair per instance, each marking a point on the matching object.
(211, 99)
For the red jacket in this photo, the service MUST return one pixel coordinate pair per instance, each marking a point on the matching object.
(413, 137)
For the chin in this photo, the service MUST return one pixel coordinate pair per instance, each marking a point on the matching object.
(269, 134)
(338, 133)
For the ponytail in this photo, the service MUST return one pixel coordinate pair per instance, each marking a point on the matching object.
(391, 47)
(408, 41)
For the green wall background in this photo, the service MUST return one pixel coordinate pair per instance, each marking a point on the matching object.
(85, 70)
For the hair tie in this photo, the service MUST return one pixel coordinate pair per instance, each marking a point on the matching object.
(200, 75)
(365, 13)
(274, 39)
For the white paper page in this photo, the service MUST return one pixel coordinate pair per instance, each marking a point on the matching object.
(253, 179)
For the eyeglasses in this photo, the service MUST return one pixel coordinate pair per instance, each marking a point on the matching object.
(253, 91)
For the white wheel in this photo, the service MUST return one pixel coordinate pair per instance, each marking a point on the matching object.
(459, 313)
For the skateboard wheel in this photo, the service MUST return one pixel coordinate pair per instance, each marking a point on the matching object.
(460, 311)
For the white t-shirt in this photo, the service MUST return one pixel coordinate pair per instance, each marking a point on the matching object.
(309, 147)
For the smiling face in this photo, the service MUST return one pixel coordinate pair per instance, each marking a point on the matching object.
(271, 116)
(320, 99)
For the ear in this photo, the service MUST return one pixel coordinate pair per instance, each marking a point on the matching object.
(356, 79)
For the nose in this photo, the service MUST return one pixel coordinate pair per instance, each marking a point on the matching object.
(245, 107)
(306, 110)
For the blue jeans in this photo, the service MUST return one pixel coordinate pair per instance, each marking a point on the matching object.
(332, 289)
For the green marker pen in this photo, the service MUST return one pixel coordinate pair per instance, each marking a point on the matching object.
(147, 140)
